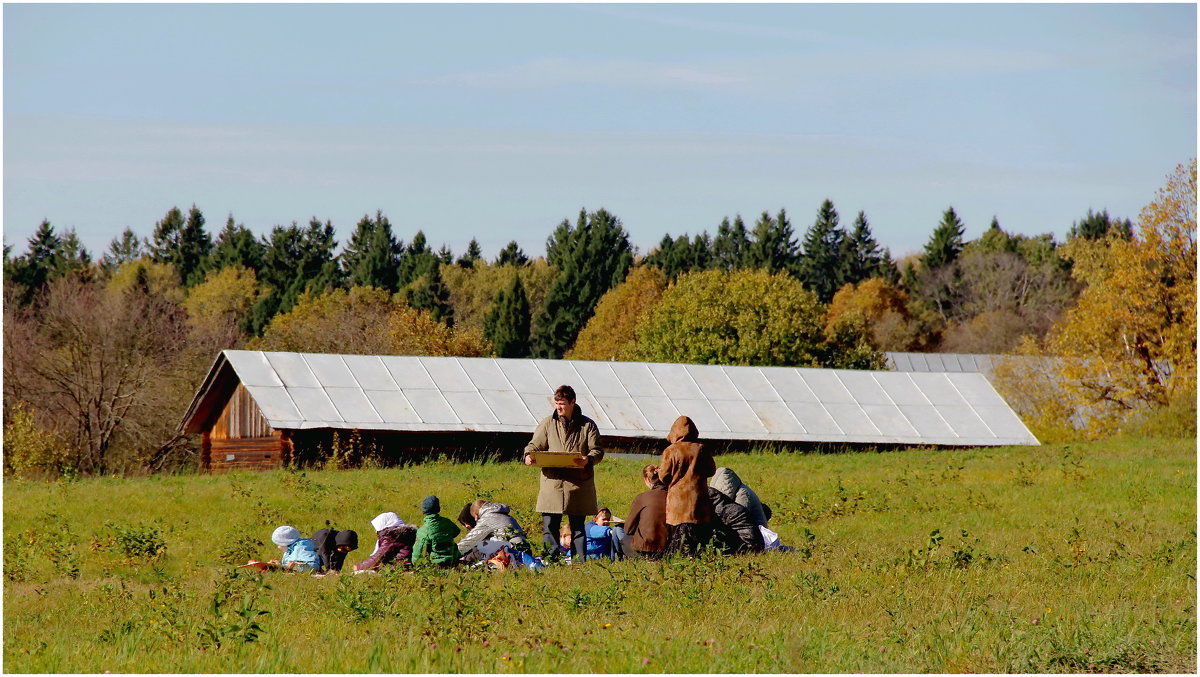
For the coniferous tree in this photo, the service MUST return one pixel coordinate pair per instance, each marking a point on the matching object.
(507, 323)
(444, 255)
(166, 241)
(731, 245)
(822, 267)
(372, 255)
(591, 258)
(1095, 226)
(296, 260)
(771, 246)
(863, 256)
(946, 243)
(121, 250)
(183, 243)
(429, 292)
(196, 246)
(41, 262)
(236, 246)
(511, 255)
(474, 253)
(418, 258)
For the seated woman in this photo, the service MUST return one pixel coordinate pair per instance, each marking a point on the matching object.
(646, 525)
(734, 530)
(299, 554)
(727, 482)
(604, 537)
(493, 529)
(332, 546)
(394, 542)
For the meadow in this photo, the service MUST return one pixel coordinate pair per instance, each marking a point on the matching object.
(1060, 558)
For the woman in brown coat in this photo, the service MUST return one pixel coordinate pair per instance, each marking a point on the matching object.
(646, 527)
(685, 468)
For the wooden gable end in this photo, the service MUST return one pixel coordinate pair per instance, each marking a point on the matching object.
(241, 438)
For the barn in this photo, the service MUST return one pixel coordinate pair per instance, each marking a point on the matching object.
(258, 410)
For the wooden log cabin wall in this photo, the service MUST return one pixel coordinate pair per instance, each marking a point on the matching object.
(241, 439)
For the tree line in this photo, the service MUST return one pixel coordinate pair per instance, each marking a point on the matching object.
(104, 353)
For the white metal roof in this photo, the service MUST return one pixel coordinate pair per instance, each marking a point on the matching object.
(627, 399)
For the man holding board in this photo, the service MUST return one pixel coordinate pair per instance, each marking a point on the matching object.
(565, 446)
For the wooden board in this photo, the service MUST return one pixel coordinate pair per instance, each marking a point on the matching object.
(557, 459)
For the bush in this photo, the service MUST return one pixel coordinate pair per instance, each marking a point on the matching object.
(29, 449)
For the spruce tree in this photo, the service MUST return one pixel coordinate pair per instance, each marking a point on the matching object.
(165, 243)
(822, 267)
(731, 245)
(122, 250)
(946, 242)
(372, 255)
(507, 323)
(41, 262)
(771, 246)
(1096, 226)
(512, 255)
(430, 293)
(591, 258)
(862, 254)
(296, 260)
(237, 246)
(195, 247)
(474, 253)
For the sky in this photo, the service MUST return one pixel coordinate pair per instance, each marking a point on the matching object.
(499, 121)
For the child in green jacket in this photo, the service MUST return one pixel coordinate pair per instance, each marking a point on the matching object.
(436, 535)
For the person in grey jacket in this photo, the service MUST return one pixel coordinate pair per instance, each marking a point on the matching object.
(493, 524)
(727, 482)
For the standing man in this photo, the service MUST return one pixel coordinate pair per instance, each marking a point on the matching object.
(566, 491)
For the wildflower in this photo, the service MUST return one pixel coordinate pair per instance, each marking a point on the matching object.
(1047, 609)
(506, 657)
(1035, 621)
(606, 626)
(486, 644)
(433, 645)
(646, 661)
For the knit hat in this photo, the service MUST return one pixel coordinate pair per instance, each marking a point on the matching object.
(431, 505)
(285, 536)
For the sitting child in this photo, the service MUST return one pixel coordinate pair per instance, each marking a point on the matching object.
(332, 546)
(435, 537)
(564, 541)
(494, 528)
(299, 554)
(394, 544)
(604, 537)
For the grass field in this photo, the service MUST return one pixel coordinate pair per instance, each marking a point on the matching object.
(1078, 558)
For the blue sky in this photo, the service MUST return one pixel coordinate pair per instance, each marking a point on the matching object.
(499, 121)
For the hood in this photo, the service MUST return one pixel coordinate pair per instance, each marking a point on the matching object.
(386, 520)
(489, 508)
(683, 430)
(726, 481)
(346, 537)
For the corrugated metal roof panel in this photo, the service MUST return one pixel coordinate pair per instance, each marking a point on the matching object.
(372, 392)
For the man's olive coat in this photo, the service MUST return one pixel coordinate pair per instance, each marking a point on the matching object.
(568, 491)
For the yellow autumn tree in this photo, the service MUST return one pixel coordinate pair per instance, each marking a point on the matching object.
(223, 299)
(474, 289)
(609, 334)
(338, 321)
(1129, 344)
(882, 308)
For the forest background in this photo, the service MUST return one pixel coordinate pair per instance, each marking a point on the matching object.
(103, 354)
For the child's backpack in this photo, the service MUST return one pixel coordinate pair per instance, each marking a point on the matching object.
(304, 553)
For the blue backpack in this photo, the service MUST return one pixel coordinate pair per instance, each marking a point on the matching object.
(304, 553)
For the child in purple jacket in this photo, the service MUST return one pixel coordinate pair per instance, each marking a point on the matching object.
(394, 545)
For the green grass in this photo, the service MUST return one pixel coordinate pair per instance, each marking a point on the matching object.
(1074, 558)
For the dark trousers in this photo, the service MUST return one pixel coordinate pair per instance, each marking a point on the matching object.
(551, 521)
